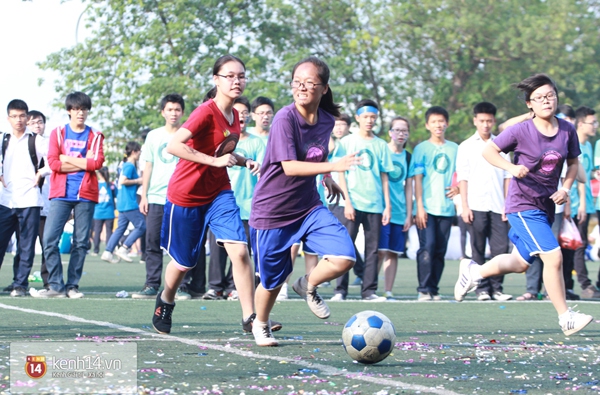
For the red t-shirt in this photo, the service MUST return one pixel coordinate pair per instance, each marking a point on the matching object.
(194, 184)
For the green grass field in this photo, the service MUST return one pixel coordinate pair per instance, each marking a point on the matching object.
(441, 347)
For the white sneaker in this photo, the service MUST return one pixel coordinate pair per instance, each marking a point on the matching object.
(123, 253)
(374, 298)
(337, 298)
(465, 283)
(573, 321)
(484, 296)
(424, 297)
(283, 292)
(109, 257)
(316, 304)
(74, 293)
(501, 297)
(263, 335)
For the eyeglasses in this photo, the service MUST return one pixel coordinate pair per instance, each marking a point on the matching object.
(399, 131)
(307, 85)
(22, 116)
(231, 78)
(264, 113)
(540, 99)
(34, 123)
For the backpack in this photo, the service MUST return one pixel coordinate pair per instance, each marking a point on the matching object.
(32, 153)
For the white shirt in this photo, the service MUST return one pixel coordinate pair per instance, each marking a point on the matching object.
(19, 173)
(485, 182)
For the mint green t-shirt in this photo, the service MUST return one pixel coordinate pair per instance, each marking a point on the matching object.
(242, 180)
(397, 182)
(437, 164)
(163, 164)
(364, 182)
(586, 160)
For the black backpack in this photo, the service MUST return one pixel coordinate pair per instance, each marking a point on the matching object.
(32, 153)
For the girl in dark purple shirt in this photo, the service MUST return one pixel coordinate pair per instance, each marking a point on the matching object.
(540, 146)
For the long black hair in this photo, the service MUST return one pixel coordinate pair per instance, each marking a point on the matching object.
(326, 102)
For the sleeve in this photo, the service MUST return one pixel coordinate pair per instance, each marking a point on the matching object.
(198, 120)
(462, 163)
(417, 164)
(97, 160)
(573, 148)
(41, 148)
(54, 151)
(507, 141)
(129, 171)
(387, 165)
(282, 140)
(148, 149)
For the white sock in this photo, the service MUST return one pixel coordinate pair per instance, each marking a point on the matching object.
(474, 270)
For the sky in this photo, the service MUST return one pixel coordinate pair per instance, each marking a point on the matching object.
(30, 31)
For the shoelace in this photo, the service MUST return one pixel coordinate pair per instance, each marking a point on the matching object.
(315, 296)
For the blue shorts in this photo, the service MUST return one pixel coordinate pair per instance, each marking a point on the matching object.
(320, 232)
(392, 238)
(531, 232)
(183, 228)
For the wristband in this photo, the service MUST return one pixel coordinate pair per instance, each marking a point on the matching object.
(568, 191)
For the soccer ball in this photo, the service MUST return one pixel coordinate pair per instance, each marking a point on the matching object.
(368, 337)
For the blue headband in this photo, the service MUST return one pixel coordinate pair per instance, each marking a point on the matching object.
(367, 109)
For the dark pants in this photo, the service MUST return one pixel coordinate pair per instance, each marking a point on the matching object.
(26, 222)
(465, 229)
(579, 254)
(371, 223)
(98, 224)
(433, 243)
(488, 226)
(154, 254)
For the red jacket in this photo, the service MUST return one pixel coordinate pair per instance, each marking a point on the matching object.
(58, 179)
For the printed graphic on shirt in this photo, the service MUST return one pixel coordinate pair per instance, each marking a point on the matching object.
(441, 163)
(548, 162)
(368, 160)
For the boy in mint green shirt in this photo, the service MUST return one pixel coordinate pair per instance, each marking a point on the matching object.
(366, 195)
(432, 166)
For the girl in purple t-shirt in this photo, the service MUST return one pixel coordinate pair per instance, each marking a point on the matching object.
(540, 147)
(286, 206)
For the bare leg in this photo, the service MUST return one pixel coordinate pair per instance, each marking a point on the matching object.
(310, 262)
(503, 264)
(554, 280)
(390, 266)
(265, 300)
(173, 278)
(243, 275)
(329, 269)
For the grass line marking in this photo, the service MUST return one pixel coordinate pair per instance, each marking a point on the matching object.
(328, 370)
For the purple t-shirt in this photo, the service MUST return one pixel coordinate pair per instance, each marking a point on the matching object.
(544, 157)
(280, 200)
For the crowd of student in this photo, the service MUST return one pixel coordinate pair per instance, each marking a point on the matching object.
(184, 188)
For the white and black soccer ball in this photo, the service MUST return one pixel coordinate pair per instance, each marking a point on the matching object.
(369, 337)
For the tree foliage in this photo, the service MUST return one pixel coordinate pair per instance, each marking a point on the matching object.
(406, 55)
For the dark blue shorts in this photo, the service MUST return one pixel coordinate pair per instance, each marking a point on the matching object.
(392, 238)
(531, 233)
(183, 228)
(321, 233)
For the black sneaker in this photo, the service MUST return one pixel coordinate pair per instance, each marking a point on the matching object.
(247, 325)
(161, 320)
